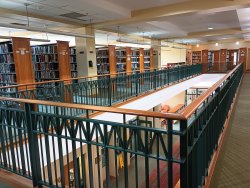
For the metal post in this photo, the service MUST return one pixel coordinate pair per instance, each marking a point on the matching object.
(33, 148)
(184, 154)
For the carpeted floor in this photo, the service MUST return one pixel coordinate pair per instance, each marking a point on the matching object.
(233, 165)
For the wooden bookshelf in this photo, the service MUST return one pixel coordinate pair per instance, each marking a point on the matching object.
(243, 57)
(204, 61)
(196, 57)
(63, 60)
(141, 60)
(128, 60)
(135, 60)
(151, 53)
(223, 60)
(15, 62)
(147, 59)
(121, 60)
(216, 54)
(189, 57)
(112, 59)
(102, 59)
(73, 63)
(45, 60)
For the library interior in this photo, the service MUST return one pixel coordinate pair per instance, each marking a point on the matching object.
(133, 94)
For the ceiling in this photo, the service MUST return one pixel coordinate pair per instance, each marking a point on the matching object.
(185, 21)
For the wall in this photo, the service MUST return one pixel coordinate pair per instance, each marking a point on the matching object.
(172, 55)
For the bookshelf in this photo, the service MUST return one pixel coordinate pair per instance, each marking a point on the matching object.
(210, 59)
(15, 62)
(51, 61)
(7, 65)
(128, 60)
(141, 60)
(147, 59)
(102, 59)
(121, 60)
(204, 61)
(45, 60)
(73, 63)
(135, 60)
(196, 57)
(243, 57)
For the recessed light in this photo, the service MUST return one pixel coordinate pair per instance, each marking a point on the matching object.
(197, 45)
(237, 43)
(216, 44)
(210, 28)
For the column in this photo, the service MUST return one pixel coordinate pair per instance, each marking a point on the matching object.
(156, 53)
(85, 53)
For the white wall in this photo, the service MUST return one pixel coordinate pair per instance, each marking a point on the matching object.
(172, 55)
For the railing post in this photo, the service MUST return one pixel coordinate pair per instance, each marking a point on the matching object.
(33, 147)
(155, 79)
(109, 91)
(136, 84)
(184, 154)
(170, 153)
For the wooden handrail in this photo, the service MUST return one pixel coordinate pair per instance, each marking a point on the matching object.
(190, 109)
(65, 80)
(173, 116)
(70, 79)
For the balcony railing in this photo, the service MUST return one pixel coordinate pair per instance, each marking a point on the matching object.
(104, 90)
(129, 149)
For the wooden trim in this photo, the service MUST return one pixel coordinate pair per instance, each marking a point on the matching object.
(190, 109)
(141, 59)
(112, 59)
(99, 108)
(23, 62)
(128, 60)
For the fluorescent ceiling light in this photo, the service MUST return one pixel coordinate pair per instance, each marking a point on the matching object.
(44, 30)
(210, 28)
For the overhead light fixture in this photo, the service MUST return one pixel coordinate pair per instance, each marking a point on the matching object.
(216, 44)
(31, 39)
(197, 45)
(237, 43)
(210, 28)
(44, 30)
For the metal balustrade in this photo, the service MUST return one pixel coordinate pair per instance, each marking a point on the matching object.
(56, 148)
(103, 90)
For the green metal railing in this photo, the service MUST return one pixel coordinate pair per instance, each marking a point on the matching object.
(45, 146)
(102, 90)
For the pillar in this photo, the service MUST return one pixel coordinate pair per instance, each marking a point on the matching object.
(156, 53)
(86, 53)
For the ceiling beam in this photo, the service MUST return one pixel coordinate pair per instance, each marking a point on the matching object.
(38, 16)
(193, 6)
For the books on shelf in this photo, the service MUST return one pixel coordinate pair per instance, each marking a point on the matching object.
(7, 65)
(45, 60)
(73, 63)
